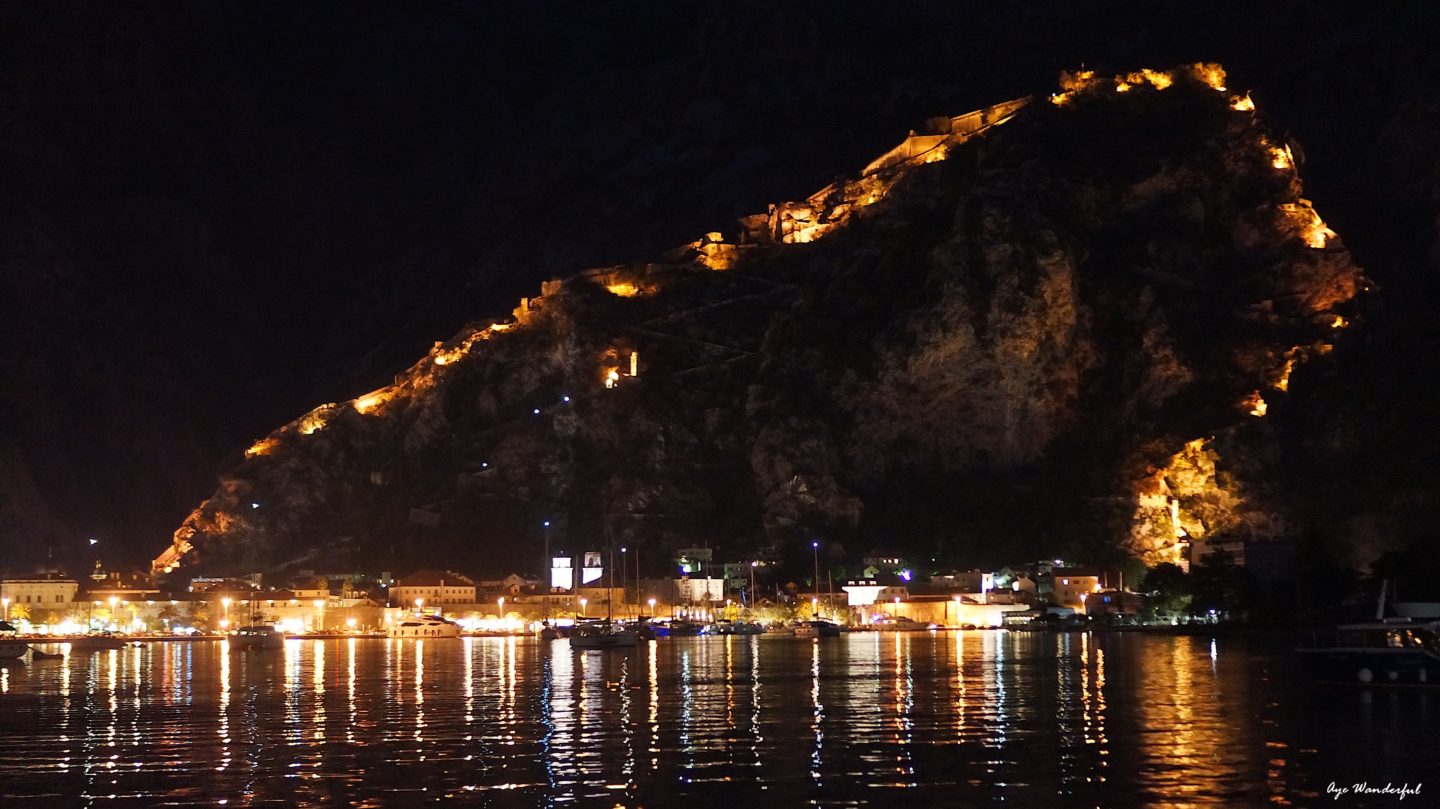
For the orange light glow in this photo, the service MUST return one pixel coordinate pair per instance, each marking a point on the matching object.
(623, 289)
(372, 402)
(1311, 227)
(1255, 404)
(1282, 158)
(1339, 322)
(314, 420)
(1159, 79)
(262, 447)
(1211, 74)
(1243, 104)
(1283, 382)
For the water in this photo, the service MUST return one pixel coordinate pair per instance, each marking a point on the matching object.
(931, 719)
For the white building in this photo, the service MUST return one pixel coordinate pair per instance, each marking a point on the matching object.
(46, 593)
(865, 592)
(699, 591)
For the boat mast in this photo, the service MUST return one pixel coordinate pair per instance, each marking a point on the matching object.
(609, 568)
(545, 575)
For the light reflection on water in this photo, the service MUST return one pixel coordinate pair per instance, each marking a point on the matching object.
(934, 718)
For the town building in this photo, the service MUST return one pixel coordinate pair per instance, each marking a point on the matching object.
(1266, 560)
(882, 562)
(698, 590)
(934, 608)
(133, 586)
(965, 581)
(48, 592)
(867, 591)
(437, 588)
(1113, 604)
(512, 585)
(693, 560)
(310, 588)
(1071, 586)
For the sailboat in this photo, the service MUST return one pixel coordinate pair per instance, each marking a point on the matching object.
(96, 640)
(605, 634)
(1398, 651)
(257, 635)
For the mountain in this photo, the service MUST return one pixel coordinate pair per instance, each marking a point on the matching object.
(1054, 325)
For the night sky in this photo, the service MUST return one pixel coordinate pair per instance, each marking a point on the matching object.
(216, 216)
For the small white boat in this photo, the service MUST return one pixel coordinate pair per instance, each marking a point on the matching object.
(424, 626)
(603, 635)
(259, 636)
(11, 646)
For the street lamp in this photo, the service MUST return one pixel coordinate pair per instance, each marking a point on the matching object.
(319, 605)
(815, 549)
(419, 604)
(583, 602)
(545, 567)
(501, 602)
(652, 607)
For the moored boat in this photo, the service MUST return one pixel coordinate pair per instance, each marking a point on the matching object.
(898, 623)
(603, 635)
(685, 629)
(11, 646)
(424, 626)
(1393, 651)
(817, 629)
(97, 642)
(549, 631)
(258, 636)
(734, 628)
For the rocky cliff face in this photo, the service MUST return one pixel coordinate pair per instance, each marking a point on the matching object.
(1063, 331)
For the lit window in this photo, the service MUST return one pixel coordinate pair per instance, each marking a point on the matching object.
(1065, 582)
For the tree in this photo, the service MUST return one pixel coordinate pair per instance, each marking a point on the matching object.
(200, 614)
(19, 612)
(1167, 590)
(169, 615)
(1219, 586)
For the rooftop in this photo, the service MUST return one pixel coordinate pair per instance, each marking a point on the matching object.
(435, 578)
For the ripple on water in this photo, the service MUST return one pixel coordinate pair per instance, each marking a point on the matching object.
(935, 718)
